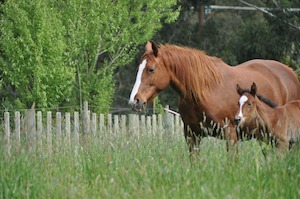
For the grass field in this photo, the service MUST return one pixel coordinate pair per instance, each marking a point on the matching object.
(148, 167)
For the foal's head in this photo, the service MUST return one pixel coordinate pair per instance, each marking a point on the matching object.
(247, 106)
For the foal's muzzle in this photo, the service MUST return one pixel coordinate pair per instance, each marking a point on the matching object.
(237, 120)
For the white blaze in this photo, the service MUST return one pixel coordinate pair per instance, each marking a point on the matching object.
(137, 81)
(242, 101)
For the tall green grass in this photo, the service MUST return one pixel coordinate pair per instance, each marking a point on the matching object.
(148, 167)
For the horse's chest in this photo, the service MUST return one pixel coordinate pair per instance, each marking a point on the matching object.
(193, 114)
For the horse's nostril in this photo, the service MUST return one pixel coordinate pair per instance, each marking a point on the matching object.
(136, 101)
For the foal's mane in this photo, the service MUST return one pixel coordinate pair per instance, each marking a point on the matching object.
(192, 69)
(263, 99)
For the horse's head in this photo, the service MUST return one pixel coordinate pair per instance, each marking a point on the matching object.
(247, 106)
(152, 77)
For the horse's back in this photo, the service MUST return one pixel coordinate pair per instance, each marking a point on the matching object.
(280, 74)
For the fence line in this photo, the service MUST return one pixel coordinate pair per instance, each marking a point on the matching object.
(33, 127)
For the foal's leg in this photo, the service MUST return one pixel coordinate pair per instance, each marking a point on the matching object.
(283, 146)
(264, 149)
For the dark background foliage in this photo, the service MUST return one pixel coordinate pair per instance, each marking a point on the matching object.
(233, 35)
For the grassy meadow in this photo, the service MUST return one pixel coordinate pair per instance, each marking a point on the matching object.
(148, 167)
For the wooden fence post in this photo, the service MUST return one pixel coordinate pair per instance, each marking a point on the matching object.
(76, 128)
(160, 125)
(116, 125)
(39, 134)
(132, 126)
(7, 132)
(154, 125)
(18, 128)
(49, 131)
(58, 128)
(86, 118)
(94, 123)
(178, 126)
(137, 128)
(168, 122)
(68, 127)
(101, 124)
(30, 127)
(149, 126)
(109, 124)
(123, 125)
(143, 129)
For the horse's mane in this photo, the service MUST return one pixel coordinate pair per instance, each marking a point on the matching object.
(263, 99)
(192, 68)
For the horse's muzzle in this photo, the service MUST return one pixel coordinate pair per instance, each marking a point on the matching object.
(137, 106)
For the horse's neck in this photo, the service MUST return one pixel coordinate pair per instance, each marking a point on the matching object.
(193, 75)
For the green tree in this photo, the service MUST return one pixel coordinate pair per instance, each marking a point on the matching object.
(103, 35)
(59, 52)
(32, 48)
(285, 23)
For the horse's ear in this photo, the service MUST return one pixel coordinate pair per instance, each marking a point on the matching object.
(239, 90)
(148, 46)
(154, 48)
(151, 46)
(253, 89)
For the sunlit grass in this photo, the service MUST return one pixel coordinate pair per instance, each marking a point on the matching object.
(148, 167)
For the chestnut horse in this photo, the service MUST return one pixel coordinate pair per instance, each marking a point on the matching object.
(206, 86)
(281, 123)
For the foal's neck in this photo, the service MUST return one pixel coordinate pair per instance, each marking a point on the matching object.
(267, 114)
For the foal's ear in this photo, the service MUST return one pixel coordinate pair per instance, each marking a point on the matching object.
(151, 46)
(253, 89)
(239, 90)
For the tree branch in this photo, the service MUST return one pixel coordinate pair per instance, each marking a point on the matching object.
(270, 14)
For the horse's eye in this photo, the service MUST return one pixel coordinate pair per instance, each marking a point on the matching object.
(249, 105)
(151, 70)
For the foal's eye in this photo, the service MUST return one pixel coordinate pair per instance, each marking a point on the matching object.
(249, 105)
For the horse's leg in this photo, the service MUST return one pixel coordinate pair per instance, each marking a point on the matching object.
(231, 140)
(193, 142)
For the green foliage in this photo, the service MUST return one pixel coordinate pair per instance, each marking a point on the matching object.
(32, 48)
(101, 39)
(159, 109)
(63, 52)
(256, 40)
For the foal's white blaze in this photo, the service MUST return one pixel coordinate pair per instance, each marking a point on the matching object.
(137, 81)
(242, 101)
